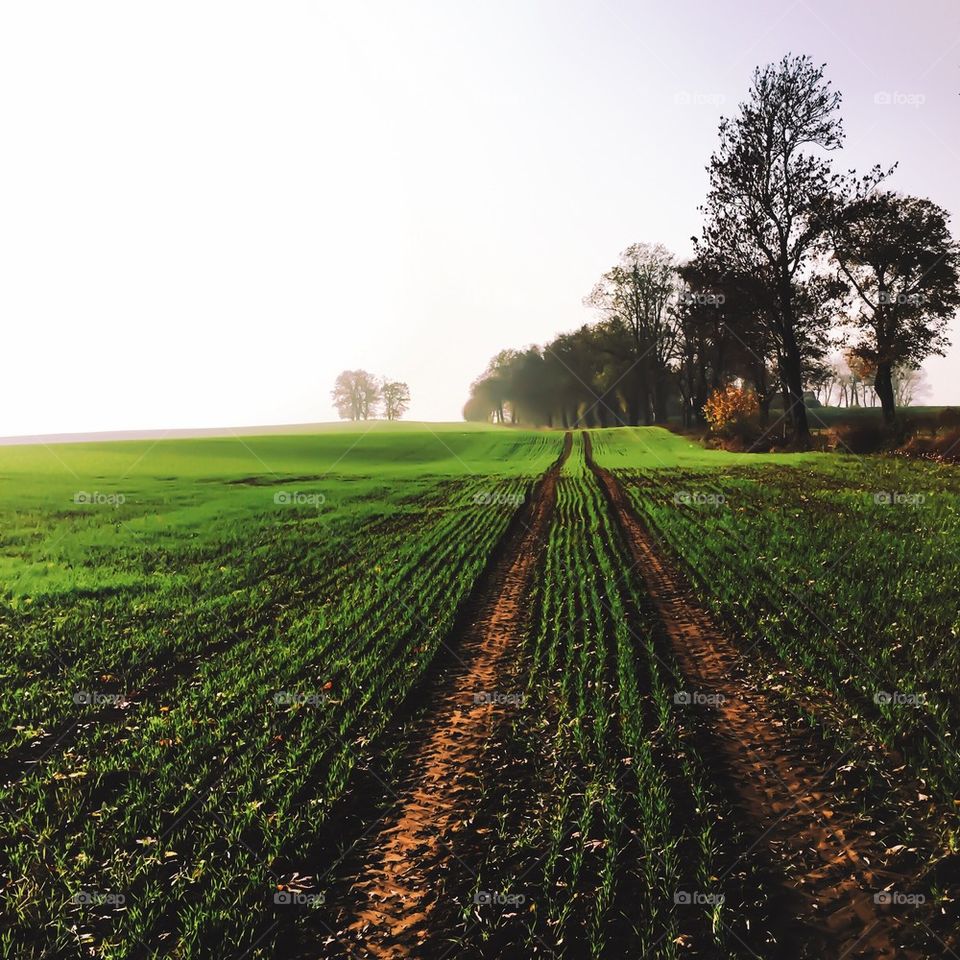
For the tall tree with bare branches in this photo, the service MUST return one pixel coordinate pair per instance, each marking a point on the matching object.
(772, 188)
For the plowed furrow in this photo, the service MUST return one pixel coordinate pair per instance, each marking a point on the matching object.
(406, 861)
(832, 866)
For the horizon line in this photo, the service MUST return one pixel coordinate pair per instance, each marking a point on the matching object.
(185, 433)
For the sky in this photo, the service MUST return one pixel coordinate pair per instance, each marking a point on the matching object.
(208, 210)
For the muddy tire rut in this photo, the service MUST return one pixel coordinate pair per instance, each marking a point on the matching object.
(831, 865)
(405, 862)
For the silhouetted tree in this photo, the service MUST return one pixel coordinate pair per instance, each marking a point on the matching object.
(638, 295)
(903, 270)
(791, 255)
(770, 192)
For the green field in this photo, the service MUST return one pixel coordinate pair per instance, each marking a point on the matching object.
(844, 570)
(206, 640)
(606, 761)
(233, 656)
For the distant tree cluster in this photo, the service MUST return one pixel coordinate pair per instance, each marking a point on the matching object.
(849, 380)
(359, 395)
(795, 260)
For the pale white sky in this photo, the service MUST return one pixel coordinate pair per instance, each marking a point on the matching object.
(207, 210)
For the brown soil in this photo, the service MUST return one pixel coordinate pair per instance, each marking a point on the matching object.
(405, 863)
(831, 864)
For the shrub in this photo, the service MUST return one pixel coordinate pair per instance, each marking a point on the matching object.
(943, 446)
(916, 446)
(729, 408)
(919, 423)
(749, 436)
(949, 418)
(866, 437)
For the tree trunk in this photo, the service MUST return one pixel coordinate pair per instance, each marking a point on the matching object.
(883, 387)
(634, 403)
(762, 389)
(793, 381)
(764, 400)
(660, 400)
(785, 400)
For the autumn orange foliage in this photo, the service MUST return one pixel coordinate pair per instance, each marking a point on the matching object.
(729, 405)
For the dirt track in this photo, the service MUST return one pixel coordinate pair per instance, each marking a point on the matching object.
(830, 864)
(405, 861)
(832, 867)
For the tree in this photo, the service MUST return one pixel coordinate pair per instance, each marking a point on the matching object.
(824, 382)
(355, 395)
(863, 374)
(589, 371)
(723, 336)
(638, 295)
(483, 403)
(909, 384)
(396, 398)
(903, 270)
(577, 379)
(498, 382)
(770, 191)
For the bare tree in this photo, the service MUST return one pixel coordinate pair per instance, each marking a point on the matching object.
(909, 385)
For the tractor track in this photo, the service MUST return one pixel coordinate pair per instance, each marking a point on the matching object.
(831, 865)
(405, 862)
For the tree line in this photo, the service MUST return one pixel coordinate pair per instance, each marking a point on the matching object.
(848, 380)
(359, 395)
(796, 259)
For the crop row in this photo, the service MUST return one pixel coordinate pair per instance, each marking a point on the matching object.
(845, 572)
(602, 820)
(223, 708)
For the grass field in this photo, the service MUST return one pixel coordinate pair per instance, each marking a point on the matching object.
(607, 764)
(192, 673)
(843, 570)
(224, 655)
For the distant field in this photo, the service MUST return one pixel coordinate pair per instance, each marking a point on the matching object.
(226, 658)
